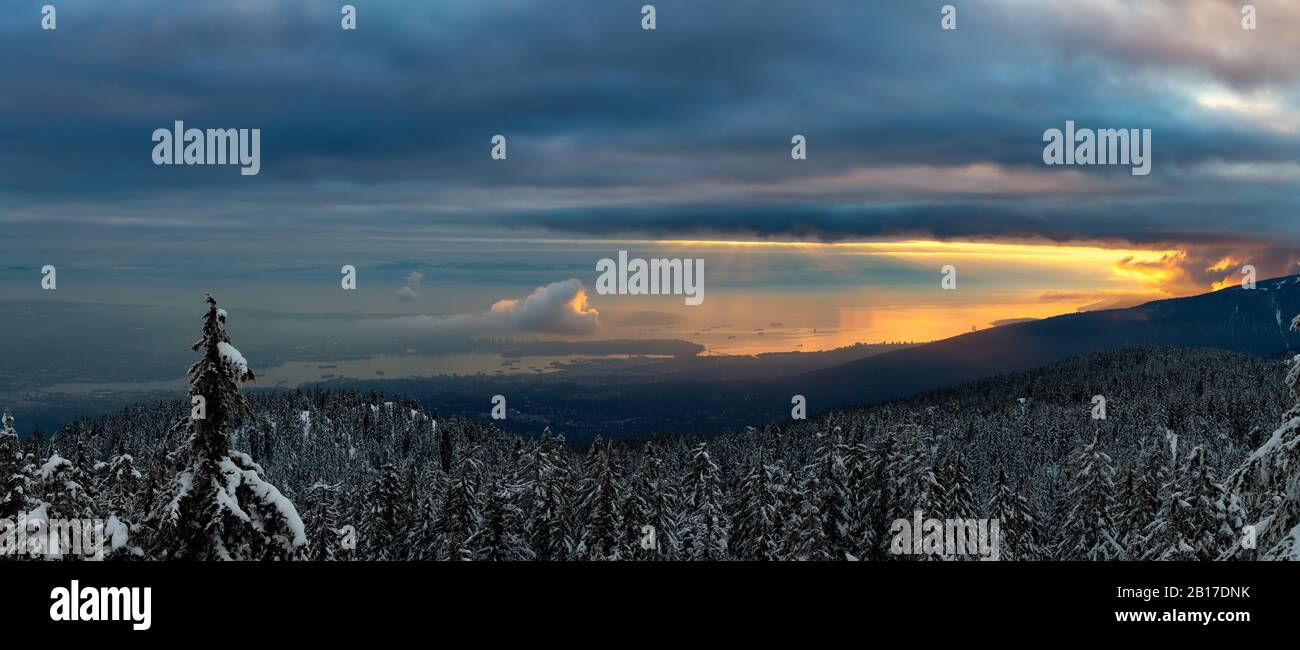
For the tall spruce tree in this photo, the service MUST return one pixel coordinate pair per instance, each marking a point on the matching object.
(1265, 489)
(805, 536)
(1140, 502)
(220, 506)
(383, 531)
(549, 488)
(119, 488)
(835, 499)
(66, 510)
(322, 522)
(601, 497)
(13, 480)
(1088, 531)
(887, 490)
(756, 527)
(958, 501)
(499, 537)
(1017, 525)
(1192, 523)
(650, 511)
(458, 519)
(705, 534)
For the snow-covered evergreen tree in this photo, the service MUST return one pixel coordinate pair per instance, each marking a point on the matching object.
(922, 488)
(887, 496)
(220, 506)
(600, 498)
(705, 534)
(322, 522)
(119, 488)
(1088, 531)
(14, 487)
(458, 519)
(1142, 498)
(1017, 525)
(62, 499)
(1192, 523)
(958, 501)
(835, 499)
(651, 502)
(793, 535)
(860, 495)
(756, 532)
(383, 530)
(499, 537)
(63, 496)
(805, 534)
(1266, 488)
(927, 492)
(550, 486)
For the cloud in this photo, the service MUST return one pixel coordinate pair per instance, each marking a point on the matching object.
(411, 291)
(1210, 266)
(680, 132)
(1204, 37)
(556, 308)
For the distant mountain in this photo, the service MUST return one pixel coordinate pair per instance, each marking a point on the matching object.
(1246, 320)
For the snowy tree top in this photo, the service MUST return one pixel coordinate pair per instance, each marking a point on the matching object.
(235, 358)
(53, 464)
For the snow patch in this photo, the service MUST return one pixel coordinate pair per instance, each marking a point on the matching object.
(52, 465)
(234, 358)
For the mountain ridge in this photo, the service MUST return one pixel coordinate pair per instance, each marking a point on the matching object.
(1244, 320)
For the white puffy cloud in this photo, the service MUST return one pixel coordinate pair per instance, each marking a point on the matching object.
(557, 308)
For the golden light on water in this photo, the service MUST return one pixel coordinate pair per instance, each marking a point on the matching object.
(874, 292)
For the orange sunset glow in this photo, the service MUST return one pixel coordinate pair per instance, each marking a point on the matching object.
(998, 281)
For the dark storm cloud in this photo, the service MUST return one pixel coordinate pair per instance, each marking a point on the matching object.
(676, 132)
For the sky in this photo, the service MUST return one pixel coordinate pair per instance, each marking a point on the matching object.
(924, 149)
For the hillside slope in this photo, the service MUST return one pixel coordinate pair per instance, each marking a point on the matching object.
(1253, 321)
